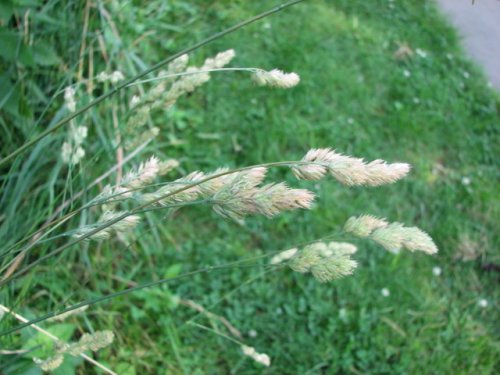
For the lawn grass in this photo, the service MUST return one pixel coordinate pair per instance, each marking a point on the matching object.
(434, 112)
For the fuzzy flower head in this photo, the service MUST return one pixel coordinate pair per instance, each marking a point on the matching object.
(93, 342)
(276, 78)
(319, 158)
(325, 261)
(69, 98)
(166, 166)
(178, 65)
(283, 256)
(78, 134)
(348, 170)
(392, 236)
(72, 151)
(50, 363)
(236, 195)
(261, 358)
(166, 195)
(363, 225)
(116, 77)
(143, 175)
(220, 60)
(123, 225)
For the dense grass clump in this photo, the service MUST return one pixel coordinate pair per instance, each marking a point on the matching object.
(378, 79)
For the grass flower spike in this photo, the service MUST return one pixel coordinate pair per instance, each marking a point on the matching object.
(261, 358)
(51, 363)
(93, 342)
(326, 261)
(393, 237)
(348, 170)
(363, 225)
(283, 256)
(276, 78)
(122, 226)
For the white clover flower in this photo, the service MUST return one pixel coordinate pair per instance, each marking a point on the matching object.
(483, 303)
(466, 75)
(276, 78)
(436, 271)
(252, 333)
(385, 292)
(406, 73)
(466, 181)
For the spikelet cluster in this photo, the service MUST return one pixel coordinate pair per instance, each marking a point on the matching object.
(89, 341)
(69, 99)
(348, 170)
(113, 77)
(165, 196)
(124, 225)
(239, 194)
(72, 150)
(136, 179)
(283, 256)
(51, 363)
(276, 78)
(166, 93)
(391, 236)
(235, 195)
(325, 261)
(261, 358)
(93, 342)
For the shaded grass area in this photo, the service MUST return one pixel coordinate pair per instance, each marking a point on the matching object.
(433, 111)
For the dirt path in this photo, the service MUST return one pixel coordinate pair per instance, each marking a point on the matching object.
(479, 26)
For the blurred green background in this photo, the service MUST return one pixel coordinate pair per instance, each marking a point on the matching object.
(379, 79)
